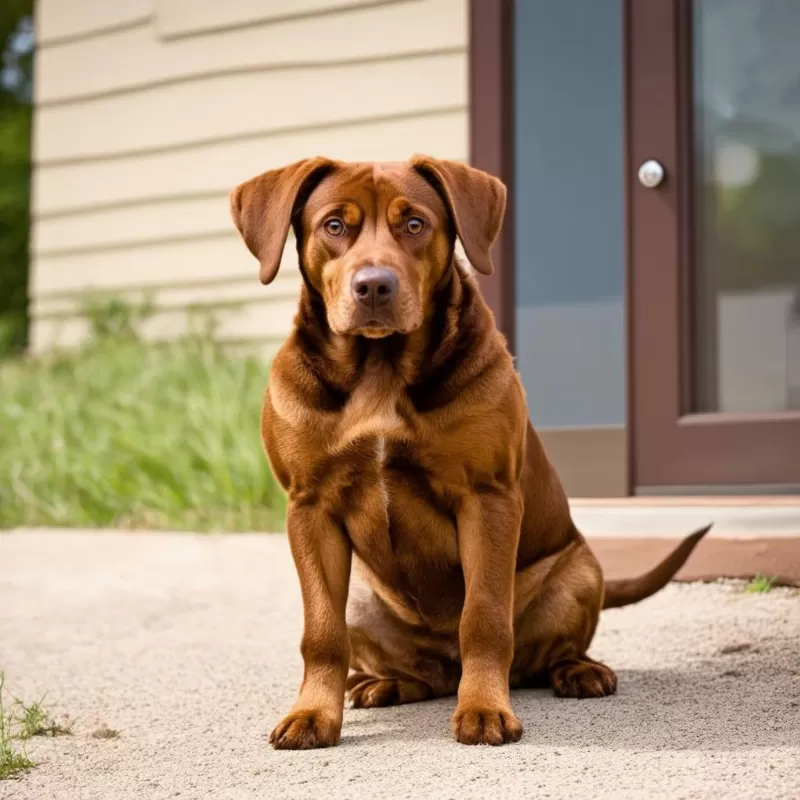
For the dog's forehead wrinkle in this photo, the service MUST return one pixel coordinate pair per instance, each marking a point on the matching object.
(348, 184)
(404, 182)
(374, 187)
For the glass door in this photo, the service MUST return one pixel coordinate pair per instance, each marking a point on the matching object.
(714, 242)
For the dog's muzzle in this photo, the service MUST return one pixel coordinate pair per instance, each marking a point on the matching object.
(375, 290)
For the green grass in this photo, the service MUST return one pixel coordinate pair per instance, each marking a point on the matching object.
(130, 435)
(12, 761)
(761, 584)
(34, 720)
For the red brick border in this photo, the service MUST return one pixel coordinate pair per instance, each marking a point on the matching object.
(713, 558)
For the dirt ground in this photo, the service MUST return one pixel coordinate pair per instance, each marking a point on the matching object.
(189, 646)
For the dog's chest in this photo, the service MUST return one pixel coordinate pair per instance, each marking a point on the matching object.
(372, 414)
(382, 477)
(399, 525)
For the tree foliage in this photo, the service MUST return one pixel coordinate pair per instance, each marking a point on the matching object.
(15, 163)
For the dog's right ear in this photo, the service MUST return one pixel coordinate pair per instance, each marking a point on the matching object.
(477, 203)
(262, 210)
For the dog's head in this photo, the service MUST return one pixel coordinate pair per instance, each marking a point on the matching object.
(374, 240)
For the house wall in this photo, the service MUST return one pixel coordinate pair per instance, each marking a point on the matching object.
(149, 111)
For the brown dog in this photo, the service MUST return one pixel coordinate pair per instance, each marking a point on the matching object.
(396, 422)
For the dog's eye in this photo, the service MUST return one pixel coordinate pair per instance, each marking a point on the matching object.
(415, 226)
(334, 226)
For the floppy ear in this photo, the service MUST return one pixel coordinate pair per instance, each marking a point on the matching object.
(477, 203)
(262, 210)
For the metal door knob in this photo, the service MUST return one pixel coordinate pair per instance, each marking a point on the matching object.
(651, 173)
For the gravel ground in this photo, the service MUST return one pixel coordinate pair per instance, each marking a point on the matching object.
(189, 646)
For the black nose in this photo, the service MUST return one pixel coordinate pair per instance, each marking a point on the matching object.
(374, 286)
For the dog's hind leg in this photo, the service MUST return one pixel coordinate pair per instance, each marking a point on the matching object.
(384, 677)
(557, 607)
(367, 691)
(390, 662)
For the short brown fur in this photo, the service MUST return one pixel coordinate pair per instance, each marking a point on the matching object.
(400, 432)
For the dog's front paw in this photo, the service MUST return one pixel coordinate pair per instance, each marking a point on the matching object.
(306, 729)
(486, 726)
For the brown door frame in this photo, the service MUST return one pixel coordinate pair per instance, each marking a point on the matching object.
(671, 446)
(491, 132)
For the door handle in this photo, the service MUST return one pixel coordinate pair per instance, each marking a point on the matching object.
(651, 173)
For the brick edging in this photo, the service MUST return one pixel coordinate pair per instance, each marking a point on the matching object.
(712, 559)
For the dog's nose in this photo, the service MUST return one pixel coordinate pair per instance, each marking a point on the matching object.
(374, 286)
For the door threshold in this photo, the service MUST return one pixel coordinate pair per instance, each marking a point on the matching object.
(773, 516)
(755, 535)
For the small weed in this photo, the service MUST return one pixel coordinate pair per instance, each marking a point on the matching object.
(104, 732)
(12, 762)
(761, 584)
(34, 720)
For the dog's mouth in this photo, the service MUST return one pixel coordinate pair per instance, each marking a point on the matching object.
(375, 329)
(375, 322)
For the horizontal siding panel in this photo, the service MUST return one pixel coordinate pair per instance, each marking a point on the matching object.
(182, 17)
(116, 227)
(218, 167)
(150, 265)
(229, 106)
(243, 289)
(260, 320)
(63, 19)
(136, 58)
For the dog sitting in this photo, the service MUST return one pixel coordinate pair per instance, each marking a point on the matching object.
(397, 424)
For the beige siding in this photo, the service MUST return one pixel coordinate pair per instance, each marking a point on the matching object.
(197, 258)
(225, 107)
(141, 59)
(62, 21)
(183, 17)
(150, 111)
(255, 320)
(130, 225)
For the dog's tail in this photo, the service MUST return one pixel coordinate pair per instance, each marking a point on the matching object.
(632, 590)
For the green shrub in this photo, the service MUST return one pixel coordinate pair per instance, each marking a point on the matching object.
(16, 49)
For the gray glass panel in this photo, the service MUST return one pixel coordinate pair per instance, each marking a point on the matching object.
(747, 205)
(570, 315)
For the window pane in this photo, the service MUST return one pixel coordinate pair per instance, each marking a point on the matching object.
(747, 205)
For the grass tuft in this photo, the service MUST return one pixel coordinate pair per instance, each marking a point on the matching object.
(104, 732)
(12, 761)
(35, 720)
(126, 434)
(761, 584)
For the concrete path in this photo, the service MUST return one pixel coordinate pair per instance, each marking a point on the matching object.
(189, 646)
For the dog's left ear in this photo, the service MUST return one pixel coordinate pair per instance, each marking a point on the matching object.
(477, 204)
(262, 210)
